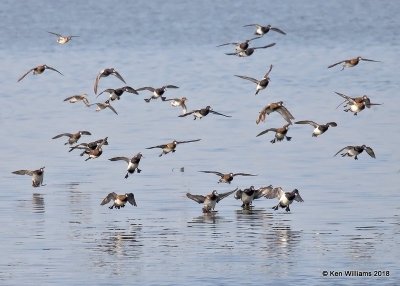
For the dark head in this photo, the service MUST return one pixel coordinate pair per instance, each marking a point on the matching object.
(296, 191)
(139, 155)
(208, 107)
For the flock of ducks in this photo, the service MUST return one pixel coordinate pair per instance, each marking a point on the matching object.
(94, 150)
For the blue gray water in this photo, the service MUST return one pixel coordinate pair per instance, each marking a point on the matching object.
(59, 233)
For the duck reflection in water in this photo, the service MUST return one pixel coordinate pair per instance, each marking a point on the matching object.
(38, 203)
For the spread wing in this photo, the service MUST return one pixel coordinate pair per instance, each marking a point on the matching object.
(261, 192)
(25, 74)
(347, 148)
(213, 172)
(271, 193)
(58, 35)
(96, 82)
(217, 113)
(170, 86)
(335, 64)
(115, 73)
(345, 96)
(368, 60)
(188, 141)
(285, 114)
(224, 195)
(248, 78)
(23, 172)
(53, 69)
(248, 25)
(110, 196)
(158, 146)
(112, 108)
(63, 134)
(298, 198)
(278, 30)
(270, 69)
(108, 90)
(197, 198)
(120, 159)
(264, 47)
(131, 199)
(85, 133)
(238, 194)
(265, 131)
(243, 174)
(149, 88)
(188, 113)
(370, 151)
(227, 44)
(307, 122)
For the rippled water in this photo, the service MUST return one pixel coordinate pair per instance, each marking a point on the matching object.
(59, 233)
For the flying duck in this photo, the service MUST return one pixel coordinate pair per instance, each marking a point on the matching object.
(104, 105)
(179, 102)
(351, 62)
(73, 137)
(275, 106)
(104, 73)
(262, 83)
(200, 113)
(319, 128)
(248, 195)
(170, 147)
(133, 163)
(157, 92)
(77, 98)
(63, 39)
(240, 46)
(37, 176)
(249, 51)
(285, 198)
(355, 104)
(280, 133)
(226, 177)
(354, 151)
(262, 30)
(209, 201)
(38, 70)
(116, 93)
(119, 200)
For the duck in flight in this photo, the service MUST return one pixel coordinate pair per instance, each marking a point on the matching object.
(240, 46)
(280, 133)
(119, 200)
(351, 62)
(209, 201)
(262, 83)
(73, 137)
(63, 39)
(37, 176)
(77, 98)
(38, 70)
(319, 128)
(200, 113)
(249, 51)
(133, 163)
(354, 151)
(262, 30)
(157, 92)
(275, 107)
(171, 147)
(355, 104)
(116, 93)
(105, 73)
(226, 177)
(285, 198)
